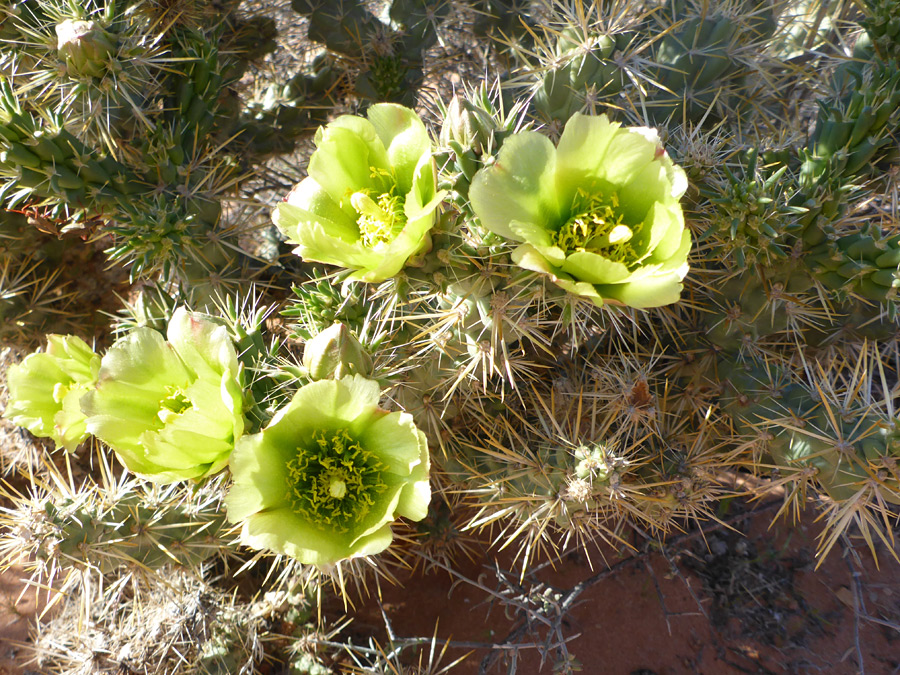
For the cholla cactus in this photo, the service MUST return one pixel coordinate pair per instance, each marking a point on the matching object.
(599, 215)
(112, 117)
(386, 53)
(171, 409)
(559, 308)
(369, 201)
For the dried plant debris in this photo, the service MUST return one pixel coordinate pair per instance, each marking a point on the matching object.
(752, 588)
(302, 298)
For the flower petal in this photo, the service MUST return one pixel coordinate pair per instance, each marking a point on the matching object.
(530, 258)
(656, 291)
(347, 151)
(315, 204)
(637, 196)
(70, 424)
(582, 152)
(657, 224)
(382, 512)
(422, 197)
(520, 186)
(394, 439)
(532, 233)
(145, 361)
(283, 531)
(678, 259)
(633, 149)
(594, 268)
(404, 136)
(327, 404)
(580, 288)
(182, 444)
(203, 345)
(416, 493)
(315, 242)
(260, 471)
(75, 356)
(31, 384)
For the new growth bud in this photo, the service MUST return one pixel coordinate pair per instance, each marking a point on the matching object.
(85, 47)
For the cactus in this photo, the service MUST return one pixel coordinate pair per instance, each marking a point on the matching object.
(100, 527)
(117, 80)
(388, 61)
(653, 247)
(687, 63)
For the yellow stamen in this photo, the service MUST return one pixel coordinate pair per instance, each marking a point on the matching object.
(335, 482)
(596, 226)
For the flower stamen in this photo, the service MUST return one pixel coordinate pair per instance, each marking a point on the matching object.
(382, 218)
(334, 482)
(596, 227)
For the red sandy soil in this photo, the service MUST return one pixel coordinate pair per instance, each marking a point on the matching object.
(17, 612)
(766, 610)
(651, 616)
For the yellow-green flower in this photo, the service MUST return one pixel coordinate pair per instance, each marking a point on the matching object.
(599, 214)
(45, 389)
(171, 409)
(370, 199)
(326, 478)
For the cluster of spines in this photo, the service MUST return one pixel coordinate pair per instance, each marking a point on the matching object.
(101, 527)
(684, 63)
(146, 151)
(387, 56)
(181, 624)
(477, 351)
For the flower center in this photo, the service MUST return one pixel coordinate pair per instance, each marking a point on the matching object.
(596, 227)
(173, 405)
(380, 219)
(335, 482)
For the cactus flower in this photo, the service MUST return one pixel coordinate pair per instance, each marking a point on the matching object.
(370, 199)
(171, 410)
(598, 214)
(326, 478)
(45, 389)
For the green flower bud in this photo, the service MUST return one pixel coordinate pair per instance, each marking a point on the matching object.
(85, 47)
(171, 410)
(370, 199)
(335, 352)
(599, 214)
(468, 125)
(44, 390)
(325, 480)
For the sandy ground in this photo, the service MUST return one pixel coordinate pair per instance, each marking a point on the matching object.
(19, 606)
(731, 605)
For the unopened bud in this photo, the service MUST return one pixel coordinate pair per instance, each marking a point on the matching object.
(468, 125)
(336, 353)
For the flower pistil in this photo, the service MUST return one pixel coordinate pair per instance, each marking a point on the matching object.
(335, 481)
